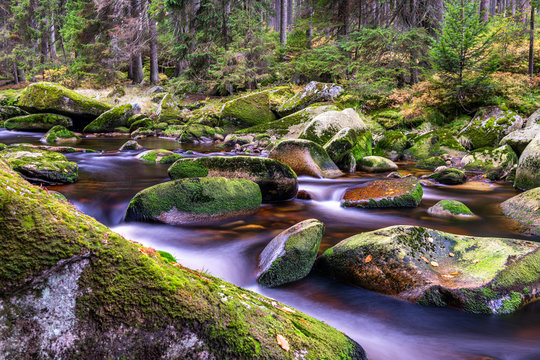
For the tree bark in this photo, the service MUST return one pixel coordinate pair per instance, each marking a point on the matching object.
(290, 14)
(138, 73)
(15, 73)
(310, 28)
(154, 70)
(52, 40)
(283, 22)
(485, 9)
(531, 43)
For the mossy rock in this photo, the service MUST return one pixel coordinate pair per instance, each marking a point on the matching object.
(528, 169)
(431, 163)
(63, 275)
(278, 96)
(312, 93)
(40, 166)
(450, 208)
(305, 158)
(389, 119)
(196, 133)
(433, 143)
(117, 91)
(276, 180)
(376, 164)
(249, 110)
(394, 193)
(196, 201)
(525, 210)
(142, 123)
(112, 119)
(494, 163)
(324, 126)
(130, 145)
(59, 135)
(49, 97)
(9, 97)
(7, 112)
(391, 145)
(159, 156)
(290, 255)
(348, 146)
(135, 118)
(435, 268)
(37, 122)
(519, 139)
(168, 110)
(449, 176)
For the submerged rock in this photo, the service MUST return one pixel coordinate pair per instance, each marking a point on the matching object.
(312, 93)
(494, 163)
(376, 164)
(249, 110)
(59, 135)
(276, 180)
(305, 158)
(112, 119)
(290, 255)
(430, 267)
(528, 169)
(159, 156)
(450, 208)
(37, 122)
(449, 176)
(324, 126)
(404, 192)
(71, 287)
(195, 201)
(525, 209)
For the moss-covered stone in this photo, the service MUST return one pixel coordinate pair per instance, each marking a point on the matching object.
(196, 133)
(348, 146)
(37, 122)
(141, 123)
(276, 180)
(431, 163)
(168, 110)
(391, 145)
(324, 126)
(112, 119)
(403, 192)
(130, 145)
(494, 163)
(434, 143)
(375, 164)
(305, 158)
(59, 135)
(525, 210)
(64, 276)
(159, 156)
(278, 96)
(40, 166)
(7, 112)
(249, 110)
(195, 201)
(528, 169)
(389, 119)
(312, 93)
(519, 139)
(450, 208)
(290, 255)
(439, 269)
(449, 176)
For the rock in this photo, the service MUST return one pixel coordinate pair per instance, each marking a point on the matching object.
(113, 118)
(528, 169)
(141, 123)
(324, 126)
(197, 133)
(249, 110)
(168, 110)
(290, 255)
(304, 195)
(389, 119)
(305, 158)
(131, 145)
(37, 122)
(489, 126)
(40, 166)
(391, 145)
(519, 139)
(7, 112)
(525, 210)
(276, 180)
(449, 176)
(312, 93)
(70, 286)
(278, 96)
(430, 267)
(117, 91)
(450, 208)
(494, 163)
(376, 164)
(431, 163)
(60, 135)
(156, 90)
(348, 146)
(434, 143)
(534, 119)
(405, 192)
(48, 97)
(159, 156)
(195, 201)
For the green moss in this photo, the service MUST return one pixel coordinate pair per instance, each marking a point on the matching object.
(111, 119)
(449, 176)
(249, 110)
(391, 141)
(165, 255)
(431, 163)
(37, 122)
(59, 134)
(188, 169)
(512, 304)
(160, 156)
(455, 207)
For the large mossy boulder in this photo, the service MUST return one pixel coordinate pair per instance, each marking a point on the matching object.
(519, 139)
(376, 164)
(249, 110)
(290, 255)
(49, 97)
(348, 146)
(391, 145)
(310, 94)
(525, 210)
(276, 180)
(7, 112)
(168, 110)
(430, 267)
(402, 192)
(489, 126)
(433, 143)
(452, 209)
(528, 169)
(197, 133)
(324, 126)
(60, 135)
(195, 201)
(305, 158)
(534, 119)
(494, 163)
(40, 166)
(70, 286)
(112, 119)
(449, 176)
(37, 122)
(431, 163)
(159, 156)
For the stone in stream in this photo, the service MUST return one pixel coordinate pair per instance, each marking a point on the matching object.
(168, 110)
(7, 112)
(434, 143)
(195, 201)
(290, 255)
(276, 180)
(449, 176)
(60, 135)
(113, 119)
(430, 267)
(37, 122)
(451, 208)
(496, 163)
(130, 145)
(40, 166)
(431, 163)
(391, 145)
(305, 158)
(159, 156)
(528, 169)
(70, 286)
(348, 146)
(519, 139)
(525, 210)
(324, 126)
(312, 93)
(249, 110)
(404, 192)
(376, 164)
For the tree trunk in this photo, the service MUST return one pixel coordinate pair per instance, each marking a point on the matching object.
(531, 44)
(283, 22)
(20, 73)
(344, 10)
(52, 46)
(290, 14)
(310, 28)
(15, 73)
(154, 70)
(138, 73)
(484, 9)
(277, 15)
(225, 25)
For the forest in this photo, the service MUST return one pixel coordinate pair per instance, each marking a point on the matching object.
(269, 179)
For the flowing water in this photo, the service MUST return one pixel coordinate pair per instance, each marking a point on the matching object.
(386, 327)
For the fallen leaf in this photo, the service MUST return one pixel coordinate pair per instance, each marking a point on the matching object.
(305, 322)
(447, 276)
(434, 264)
(425, 260)
(454, 273)
(451, 255)
(475, 261)
(368, 258)
(283, 342)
